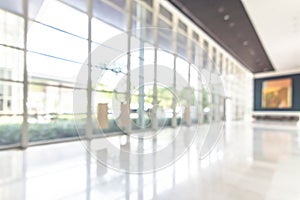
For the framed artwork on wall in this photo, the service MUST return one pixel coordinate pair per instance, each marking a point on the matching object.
(277, 93)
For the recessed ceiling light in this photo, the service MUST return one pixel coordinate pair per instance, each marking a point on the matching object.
(226, 17)
(252, 52)
(221, 10)
(231, 24)
(245, 43)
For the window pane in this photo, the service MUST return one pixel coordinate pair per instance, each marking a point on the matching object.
(167, 60)
(47, 68)
(109, 80)
(163, 24)
(165, 94)
(105, 12)
(133, 8)
(119, 3)
(50, 113)
(149, 18)
(164, 42)
(11, 29)
(205, 55)
(164, 39)
(52, 42)
(147, 60)
(164, 12)
(63, 17)
(105, 62)
(149, 2)
(12, 5)
(11, 95)
(11, 63)
(221, 64)
(182, 45)
(182, 71)
(102, 31)
(194, 77)
(226, 66)
(144, 19)
(11, 109)
(214, 59)
(195, 52)
(143, 15)
(79, 4)
(182, 26)
(34, 6)
(195, 36)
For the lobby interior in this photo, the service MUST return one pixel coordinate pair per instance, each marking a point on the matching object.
(149, 99)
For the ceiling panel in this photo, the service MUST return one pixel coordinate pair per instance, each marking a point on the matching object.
(228, 23)
(277, 24)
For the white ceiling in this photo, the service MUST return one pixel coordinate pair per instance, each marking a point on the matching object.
(277, 23)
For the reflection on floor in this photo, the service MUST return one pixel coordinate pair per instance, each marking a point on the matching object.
(250, 162)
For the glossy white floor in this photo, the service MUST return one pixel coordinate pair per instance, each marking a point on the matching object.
(252, 162)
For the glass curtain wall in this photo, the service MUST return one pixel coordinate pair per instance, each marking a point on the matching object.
(44, 43)
(11, 74)
(57, 45)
